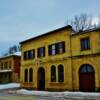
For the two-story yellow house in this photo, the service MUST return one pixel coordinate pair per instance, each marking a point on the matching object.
(62, 60)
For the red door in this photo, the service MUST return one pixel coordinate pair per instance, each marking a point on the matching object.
(87, 82)
(86, 79)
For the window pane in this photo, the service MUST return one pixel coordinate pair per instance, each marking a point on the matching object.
(83, 69)
(85, 44)
(26, 75)
(60, 73)
(53, 47)
(41, 52)
(53, 52)
(61, 47)
(89, 69)
(31, 75)
(53, 74)
(86, 68)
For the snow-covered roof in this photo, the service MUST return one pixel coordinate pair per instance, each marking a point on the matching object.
(14, 54)
(17, 53)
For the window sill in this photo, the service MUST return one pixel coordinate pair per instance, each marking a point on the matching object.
(28, 83)
(56, 82)
(56, 54)
(29, 59)
(85, 49)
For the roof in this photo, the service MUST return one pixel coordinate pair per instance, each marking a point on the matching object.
(50, 32)
(85, 31)
(17, 54)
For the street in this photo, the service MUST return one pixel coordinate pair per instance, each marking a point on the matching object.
(7, 96)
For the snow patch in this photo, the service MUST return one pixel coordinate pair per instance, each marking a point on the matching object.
(5, 70)
(10, 85)
(55, 94)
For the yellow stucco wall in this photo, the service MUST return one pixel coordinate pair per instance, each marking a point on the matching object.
(70, 59)
(48, 61)
(90, 56)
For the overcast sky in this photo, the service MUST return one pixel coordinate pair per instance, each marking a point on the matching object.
(22, 19)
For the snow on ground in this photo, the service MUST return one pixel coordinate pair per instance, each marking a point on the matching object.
(45, 93)
(56, 94)
(9, 85)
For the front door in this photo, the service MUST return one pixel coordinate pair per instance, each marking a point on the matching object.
(41, 79)
(87, 79)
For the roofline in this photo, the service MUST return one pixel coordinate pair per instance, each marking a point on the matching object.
(3, 57)
(85, 31)
(47, 33)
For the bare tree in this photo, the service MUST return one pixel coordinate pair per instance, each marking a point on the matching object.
(81, 22)
(14, 48)
(99, 20)
(11, 50)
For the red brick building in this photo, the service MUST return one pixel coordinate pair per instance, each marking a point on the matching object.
(10, 68)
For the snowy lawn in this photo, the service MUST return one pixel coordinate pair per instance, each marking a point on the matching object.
(9, 86)
(55, 94)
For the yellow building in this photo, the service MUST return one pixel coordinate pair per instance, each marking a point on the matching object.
(9, 68)
(62, 60)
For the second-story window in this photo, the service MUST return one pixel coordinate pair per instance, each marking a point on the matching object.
(85, 43)
(10, 63)
(25, 55)
(41, 52)
(61, 47)
(53, 51)
(29, 54)
(1, 65)
(56, 48)
(6, 65)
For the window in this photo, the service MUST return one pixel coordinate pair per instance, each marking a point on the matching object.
(6, 65)
(29, 54)
(61, 47)
(1, 65)
(26, 75)
(86, 68)
(60, 73)
(52, 49)
(25, 55)
(10, 63)
(57, 48)
(85, 43)
(30, 75)
(53, 74)
(41, 52)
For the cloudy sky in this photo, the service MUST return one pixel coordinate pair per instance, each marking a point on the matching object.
(22, 19)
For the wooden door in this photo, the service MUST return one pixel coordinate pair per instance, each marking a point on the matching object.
(87, 82)
(86, 78)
